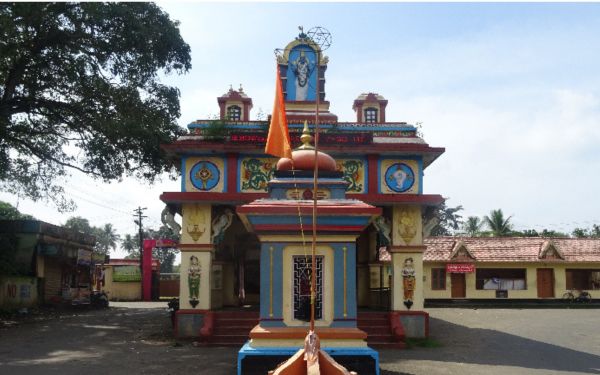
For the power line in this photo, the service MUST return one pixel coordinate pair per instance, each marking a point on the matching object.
(97, 204)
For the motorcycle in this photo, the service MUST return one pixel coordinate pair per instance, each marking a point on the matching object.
(99, 299)
(172, 309)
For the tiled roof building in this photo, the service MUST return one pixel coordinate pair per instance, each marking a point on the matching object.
(510, 267)
(515, 249)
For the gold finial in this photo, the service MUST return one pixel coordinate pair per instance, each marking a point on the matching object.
(306, 138)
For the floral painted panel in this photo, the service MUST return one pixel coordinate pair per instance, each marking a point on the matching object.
(255, 173)
(353, 173)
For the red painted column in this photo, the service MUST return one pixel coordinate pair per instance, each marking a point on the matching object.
(246, 112)
(147, 270)
(232, 173)
(372, 160)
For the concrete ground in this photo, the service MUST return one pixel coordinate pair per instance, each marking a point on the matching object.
(135, 338)
(505, 341)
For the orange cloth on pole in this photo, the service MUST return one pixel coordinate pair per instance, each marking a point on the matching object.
(278, 140)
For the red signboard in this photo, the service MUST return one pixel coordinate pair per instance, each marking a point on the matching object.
(460, 268)
(325, 138)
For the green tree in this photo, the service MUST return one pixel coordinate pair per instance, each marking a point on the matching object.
(580, 233)
(9, 212)
(530, 233)
(79, 224)
(552, 233)
(497, 224)
(131, 244)
(80, 90)
(593, 232)
(106, 236)
(449, 220)
(106, 239)
(472, 226)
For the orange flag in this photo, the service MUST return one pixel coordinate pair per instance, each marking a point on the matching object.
(278, 140)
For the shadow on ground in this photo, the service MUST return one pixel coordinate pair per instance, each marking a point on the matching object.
(466, 345)
(132, 341)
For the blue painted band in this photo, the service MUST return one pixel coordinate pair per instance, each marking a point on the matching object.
(307, 220)
(247, 350)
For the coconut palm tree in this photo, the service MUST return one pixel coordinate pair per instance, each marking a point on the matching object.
(473, 226)
(106, 238)
(498, 225)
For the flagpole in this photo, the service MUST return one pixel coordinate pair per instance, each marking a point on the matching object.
(313, 279)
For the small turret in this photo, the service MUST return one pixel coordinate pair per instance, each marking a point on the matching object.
(370, 107)
(235, 105)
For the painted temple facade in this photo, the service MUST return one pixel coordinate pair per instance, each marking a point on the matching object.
(242, 219)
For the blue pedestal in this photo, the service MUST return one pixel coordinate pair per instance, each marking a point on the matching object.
(280, 354)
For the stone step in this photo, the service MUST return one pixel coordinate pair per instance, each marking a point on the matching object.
(231, 339)
(387, 345)
(376, 330)
(230, 331)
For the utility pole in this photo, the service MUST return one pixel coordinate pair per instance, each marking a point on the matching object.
(138, 214)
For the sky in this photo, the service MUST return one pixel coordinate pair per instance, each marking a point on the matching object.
(512, 91)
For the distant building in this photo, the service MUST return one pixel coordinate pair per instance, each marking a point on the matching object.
(510, 267)
(122, 279)
(43, 263)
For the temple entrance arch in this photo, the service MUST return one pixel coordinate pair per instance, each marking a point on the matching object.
(374, 265)
(236, 268)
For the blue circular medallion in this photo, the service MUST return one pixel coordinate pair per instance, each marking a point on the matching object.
(204, 175)
(399, 177)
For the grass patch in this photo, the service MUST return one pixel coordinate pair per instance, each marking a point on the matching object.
(427, 342)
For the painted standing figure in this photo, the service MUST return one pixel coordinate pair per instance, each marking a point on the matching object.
(194, 280)
(408, 279)
(302, 69)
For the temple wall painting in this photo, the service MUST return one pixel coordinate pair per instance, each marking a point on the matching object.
(408, 280)
(400, 176)
(254, 173)
(195, 280)
(196, 227)
(354, 173)
(407, 226)
(209, 174)
(196, 257)
(204, 174)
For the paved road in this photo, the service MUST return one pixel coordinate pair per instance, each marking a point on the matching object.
(136, 339)
(505, 341)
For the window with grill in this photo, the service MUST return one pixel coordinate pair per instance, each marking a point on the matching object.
(501, 278)
(302, 279)
(370, 115)
(234, 113)
(438, 278)
(583, 279)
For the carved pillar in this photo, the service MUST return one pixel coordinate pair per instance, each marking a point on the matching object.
(196, 257)
(407, 258)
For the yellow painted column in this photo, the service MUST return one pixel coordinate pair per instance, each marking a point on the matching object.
(407, 258)
(196, 257)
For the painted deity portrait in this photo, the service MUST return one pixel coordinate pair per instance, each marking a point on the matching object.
(408, 281)
(302, 68)
(194, 272)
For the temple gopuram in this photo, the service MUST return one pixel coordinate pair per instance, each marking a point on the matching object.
(246, 225)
